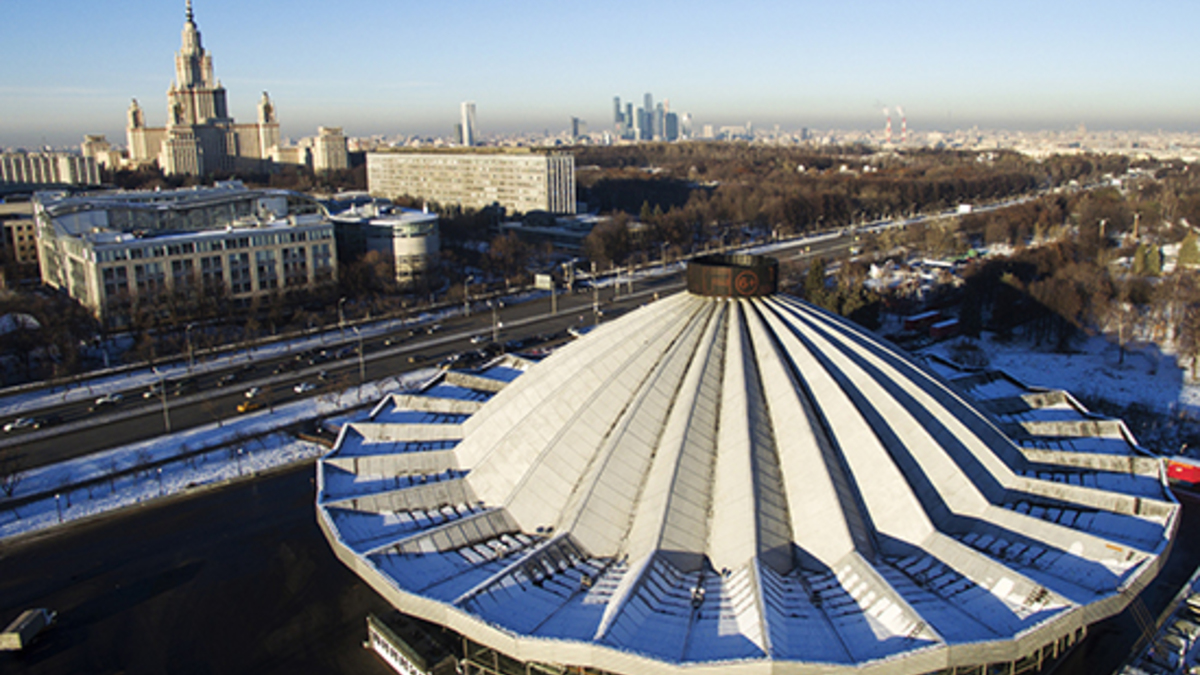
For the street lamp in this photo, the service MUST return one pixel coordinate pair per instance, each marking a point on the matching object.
(160, 483)
(467, 295)
(191, 353)
(162, 393)
(362, 368)
(495, 319)
(239, 461)
(58, 505)
(341, 316)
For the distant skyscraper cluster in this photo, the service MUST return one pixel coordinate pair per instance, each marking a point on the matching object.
(650, 122)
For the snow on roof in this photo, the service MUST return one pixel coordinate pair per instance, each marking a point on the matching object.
(709, 480)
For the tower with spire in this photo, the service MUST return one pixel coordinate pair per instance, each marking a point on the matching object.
(200, 137)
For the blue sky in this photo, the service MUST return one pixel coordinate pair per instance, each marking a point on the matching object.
(69, 67)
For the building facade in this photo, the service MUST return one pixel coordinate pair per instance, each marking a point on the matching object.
(407, 237)
(731, 481)
(48, 168)
(200, 136)
(116, 250)
(520, 179)
(329, 150)
(467, 126)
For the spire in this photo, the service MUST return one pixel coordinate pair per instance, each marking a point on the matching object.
(190, 17)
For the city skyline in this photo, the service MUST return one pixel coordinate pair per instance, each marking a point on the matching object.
(382, 68)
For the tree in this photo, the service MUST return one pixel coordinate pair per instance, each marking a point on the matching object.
(815, 290)
(12, 472)
(1189, 336)
(1189, 251)
(506, 255)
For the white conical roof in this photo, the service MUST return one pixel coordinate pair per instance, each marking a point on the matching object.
(717, 479)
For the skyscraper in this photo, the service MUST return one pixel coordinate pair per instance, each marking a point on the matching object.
(468, 123)
(200, 137)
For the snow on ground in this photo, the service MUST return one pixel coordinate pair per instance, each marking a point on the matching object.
(239, 446)
(1093, 370)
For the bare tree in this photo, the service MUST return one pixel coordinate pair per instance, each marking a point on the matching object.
(12, 472)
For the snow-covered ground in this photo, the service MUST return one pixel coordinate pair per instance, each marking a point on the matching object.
(241, 446)
(1149, 389)
(1093, 370)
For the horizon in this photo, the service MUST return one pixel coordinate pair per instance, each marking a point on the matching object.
(402, 69)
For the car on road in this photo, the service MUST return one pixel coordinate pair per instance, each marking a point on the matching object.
(112, 398)
(47, 421)
(323, 375)
(186, 385)
(248, 406)
(304, 387)
(253, 392)
(155, 389)
(227, 379)
(19, 423)
(479, 339)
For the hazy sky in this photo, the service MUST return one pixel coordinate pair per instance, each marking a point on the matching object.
(69, 67)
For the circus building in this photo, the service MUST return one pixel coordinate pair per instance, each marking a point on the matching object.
(731, 480)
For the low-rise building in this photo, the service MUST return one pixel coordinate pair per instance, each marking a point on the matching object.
(114, 250)
(407, 237)
(48, 168)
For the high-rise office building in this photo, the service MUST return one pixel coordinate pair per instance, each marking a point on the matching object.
(468, 137)
(671, 127)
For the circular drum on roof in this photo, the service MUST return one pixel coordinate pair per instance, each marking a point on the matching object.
(733, 276)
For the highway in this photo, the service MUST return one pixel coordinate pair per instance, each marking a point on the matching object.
(84, 428)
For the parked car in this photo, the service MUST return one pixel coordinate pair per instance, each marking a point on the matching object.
(304, 387)
(19, 423)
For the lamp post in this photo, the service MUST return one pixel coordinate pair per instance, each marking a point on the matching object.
(239, 461)
(341, 316)
(467, 295)
(362, 367)
(160, 483)
(191, 353)
(58, 505)
(162, 393)
(495, 319)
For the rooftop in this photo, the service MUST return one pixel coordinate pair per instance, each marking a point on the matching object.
(741, 478)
